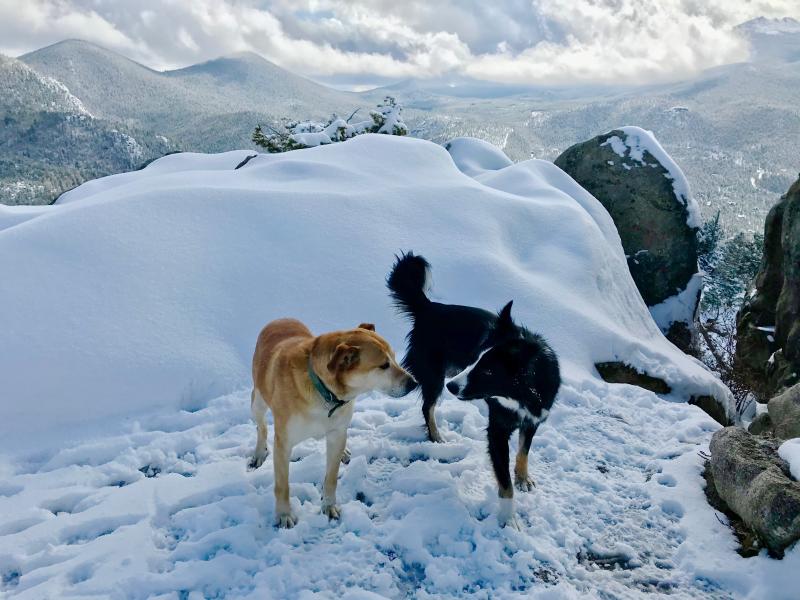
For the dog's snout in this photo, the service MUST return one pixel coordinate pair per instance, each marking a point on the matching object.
(411, 385)
(453, 387)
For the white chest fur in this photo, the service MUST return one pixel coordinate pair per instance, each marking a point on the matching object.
(317, 424)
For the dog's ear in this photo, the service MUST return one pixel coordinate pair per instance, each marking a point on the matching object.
(504, 320)
(367, 326)
(345, 357)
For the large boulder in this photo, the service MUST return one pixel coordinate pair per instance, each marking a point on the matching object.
(784, 413)
(754, 482)
(768, 324)
(649, 200)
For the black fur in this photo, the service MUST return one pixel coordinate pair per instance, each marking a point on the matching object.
(516, 365)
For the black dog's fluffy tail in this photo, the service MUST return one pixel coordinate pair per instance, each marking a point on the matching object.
(407, 282)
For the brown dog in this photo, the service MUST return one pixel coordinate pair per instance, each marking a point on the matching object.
(309, 383)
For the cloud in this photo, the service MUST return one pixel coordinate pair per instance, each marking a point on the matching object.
(513, 41)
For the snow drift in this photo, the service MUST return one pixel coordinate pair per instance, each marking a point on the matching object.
(146, 290)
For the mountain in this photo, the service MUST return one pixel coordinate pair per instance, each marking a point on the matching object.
(178, 104)
(50, 142)
(772, 39)
(77, 111)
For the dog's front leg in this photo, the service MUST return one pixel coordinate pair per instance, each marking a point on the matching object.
(281, 453)
(258, 409)
(335, 442)
(498, 453)
(522, 480)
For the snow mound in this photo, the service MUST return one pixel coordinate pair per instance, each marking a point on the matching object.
(183, 162)
(637, 141)
(146, 291)
(473, 156)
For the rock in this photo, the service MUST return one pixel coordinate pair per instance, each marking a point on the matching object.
(784, 412)
(712, 407)
(749, 544)
(761, 425)
(683, 336)
(649, 208)
(768, 324)
(753, 481)
(619, 372)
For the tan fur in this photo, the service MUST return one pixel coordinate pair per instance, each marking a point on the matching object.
(348, 363)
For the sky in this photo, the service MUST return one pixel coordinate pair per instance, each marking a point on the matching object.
(362, 43)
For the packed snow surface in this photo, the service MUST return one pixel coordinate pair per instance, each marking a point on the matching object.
(131, 310)
(635, 143)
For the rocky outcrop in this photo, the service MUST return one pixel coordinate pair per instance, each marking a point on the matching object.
(768, 324)
(754, 482)
(647, 197)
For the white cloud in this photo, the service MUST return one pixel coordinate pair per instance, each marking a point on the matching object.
(514, 41)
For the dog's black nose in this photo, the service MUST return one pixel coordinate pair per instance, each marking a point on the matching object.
(452, 386)
(411, 385)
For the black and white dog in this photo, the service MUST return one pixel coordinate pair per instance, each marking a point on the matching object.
(514, 370)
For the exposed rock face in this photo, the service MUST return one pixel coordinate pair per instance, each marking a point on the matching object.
(639, 193)
(754, 482)
(619, 372)
(774, 302)
(784, 413)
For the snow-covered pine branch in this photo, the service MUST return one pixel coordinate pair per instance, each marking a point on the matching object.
(385, 118)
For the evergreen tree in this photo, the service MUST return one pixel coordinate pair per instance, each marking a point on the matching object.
(386, 119)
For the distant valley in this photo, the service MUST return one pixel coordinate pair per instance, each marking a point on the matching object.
(74, 111)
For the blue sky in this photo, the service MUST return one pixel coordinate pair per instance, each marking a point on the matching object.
(366, 42)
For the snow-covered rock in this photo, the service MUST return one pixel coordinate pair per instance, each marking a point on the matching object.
(146, 290)
(652, 205)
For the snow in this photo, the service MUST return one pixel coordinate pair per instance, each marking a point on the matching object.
(14, 215)
(681, 307)
(473, 156)
(637, 141)
(136, 303)
(790, 452)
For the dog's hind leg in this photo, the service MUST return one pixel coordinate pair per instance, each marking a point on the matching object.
(498, 453)
(431, 390)
(258, 408)
(522, 480)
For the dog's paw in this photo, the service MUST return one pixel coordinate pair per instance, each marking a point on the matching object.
(436, 438)
(286, 520)
(346, 456)
(506, 515)
(524, 484)
(511, 522)
(256, 461)
(332, 511)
